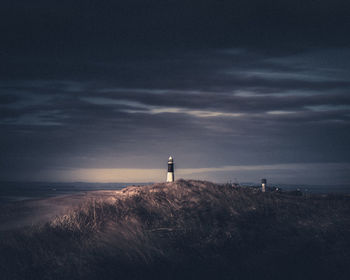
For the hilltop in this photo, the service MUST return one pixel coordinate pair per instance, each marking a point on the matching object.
(186, 230)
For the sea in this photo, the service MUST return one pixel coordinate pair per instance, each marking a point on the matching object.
(19, 191)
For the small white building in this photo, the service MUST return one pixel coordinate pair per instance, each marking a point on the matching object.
(263, 185)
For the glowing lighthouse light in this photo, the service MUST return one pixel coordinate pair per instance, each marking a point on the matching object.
(170, 177)
(263, 185)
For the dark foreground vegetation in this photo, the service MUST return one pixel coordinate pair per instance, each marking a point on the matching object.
(187, 230)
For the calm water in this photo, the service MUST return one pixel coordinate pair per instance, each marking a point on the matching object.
(14, 191)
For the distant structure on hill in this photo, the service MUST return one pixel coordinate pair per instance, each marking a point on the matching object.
(170, 176)
(263, 185)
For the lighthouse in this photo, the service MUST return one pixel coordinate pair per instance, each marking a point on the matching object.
(170, 176)
(263, 185)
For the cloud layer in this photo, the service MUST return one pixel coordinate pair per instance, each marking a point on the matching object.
(214, 83)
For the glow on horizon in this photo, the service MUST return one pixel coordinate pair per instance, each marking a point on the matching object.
(141, 175)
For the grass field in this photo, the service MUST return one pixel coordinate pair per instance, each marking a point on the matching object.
(187, 230)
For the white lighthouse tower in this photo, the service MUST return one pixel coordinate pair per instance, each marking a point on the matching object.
(170, 176)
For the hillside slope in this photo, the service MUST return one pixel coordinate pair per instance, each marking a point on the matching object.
(186, 230)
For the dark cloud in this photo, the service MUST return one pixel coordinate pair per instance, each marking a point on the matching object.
(8, 99)
(122, 84)
(60, 27)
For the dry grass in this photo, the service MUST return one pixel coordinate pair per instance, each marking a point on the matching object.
(187, 230)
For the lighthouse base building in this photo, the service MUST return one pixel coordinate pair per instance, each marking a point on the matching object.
(170, 176)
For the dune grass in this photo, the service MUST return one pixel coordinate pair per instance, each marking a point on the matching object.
(187, 230)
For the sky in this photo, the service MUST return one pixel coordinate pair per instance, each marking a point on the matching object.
(105, 91)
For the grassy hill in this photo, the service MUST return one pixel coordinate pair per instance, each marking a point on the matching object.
(187, 230)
